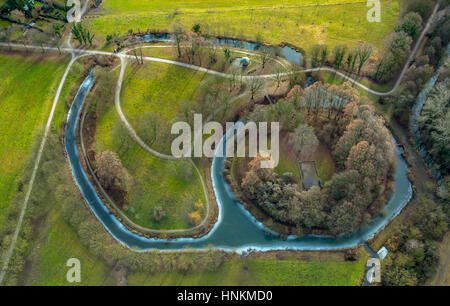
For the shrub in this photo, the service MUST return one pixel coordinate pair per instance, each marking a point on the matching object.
(195, 218)
(411, 24)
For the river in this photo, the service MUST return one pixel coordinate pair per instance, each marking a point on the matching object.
(236, 229)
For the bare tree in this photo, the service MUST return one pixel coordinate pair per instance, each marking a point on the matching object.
(323, 54)
(235, 72)
(352, 56)
(179, 33)
(338, 54)
(278, 76)
(266, 55)
(135, 56)
(315, 53)
(112, 175)
(364, 52)
(255, 85)
(296, 76)
(212, 53)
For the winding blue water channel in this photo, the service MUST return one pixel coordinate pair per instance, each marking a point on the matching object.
(235, 229)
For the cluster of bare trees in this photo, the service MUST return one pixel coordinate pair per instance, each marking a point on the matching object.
(362, 147)
(304, 139)
(328, 98)
(195, 49)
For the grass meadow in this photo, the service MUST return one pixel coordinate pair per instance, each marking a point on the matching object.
(158, 88)
(262, 272)
(154, 88)
(26, 95)
(58, 242)
(26, 98)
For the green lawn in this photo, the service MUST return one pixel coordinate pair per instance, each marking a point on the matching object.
(154, 181)
(158, 88)
(26, 94)
(57, 244)
(301, 22)
(258, 272)
(324, 162)
(288, 162)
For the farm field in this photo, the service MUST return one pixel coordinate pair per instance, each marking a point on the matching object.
(300, 22)
(28, 88)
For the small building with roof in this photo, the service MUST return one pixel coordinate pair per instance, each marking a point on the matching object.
(382, 253)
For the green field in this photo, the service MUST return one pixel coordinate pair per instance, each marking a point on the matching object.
(53, 241)
(51, 253)
(26, 95)
(258, 272)
(154, 185)
(57, 241)
(157, 88)
(300, 22)
(288, 162)
(324, 162)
